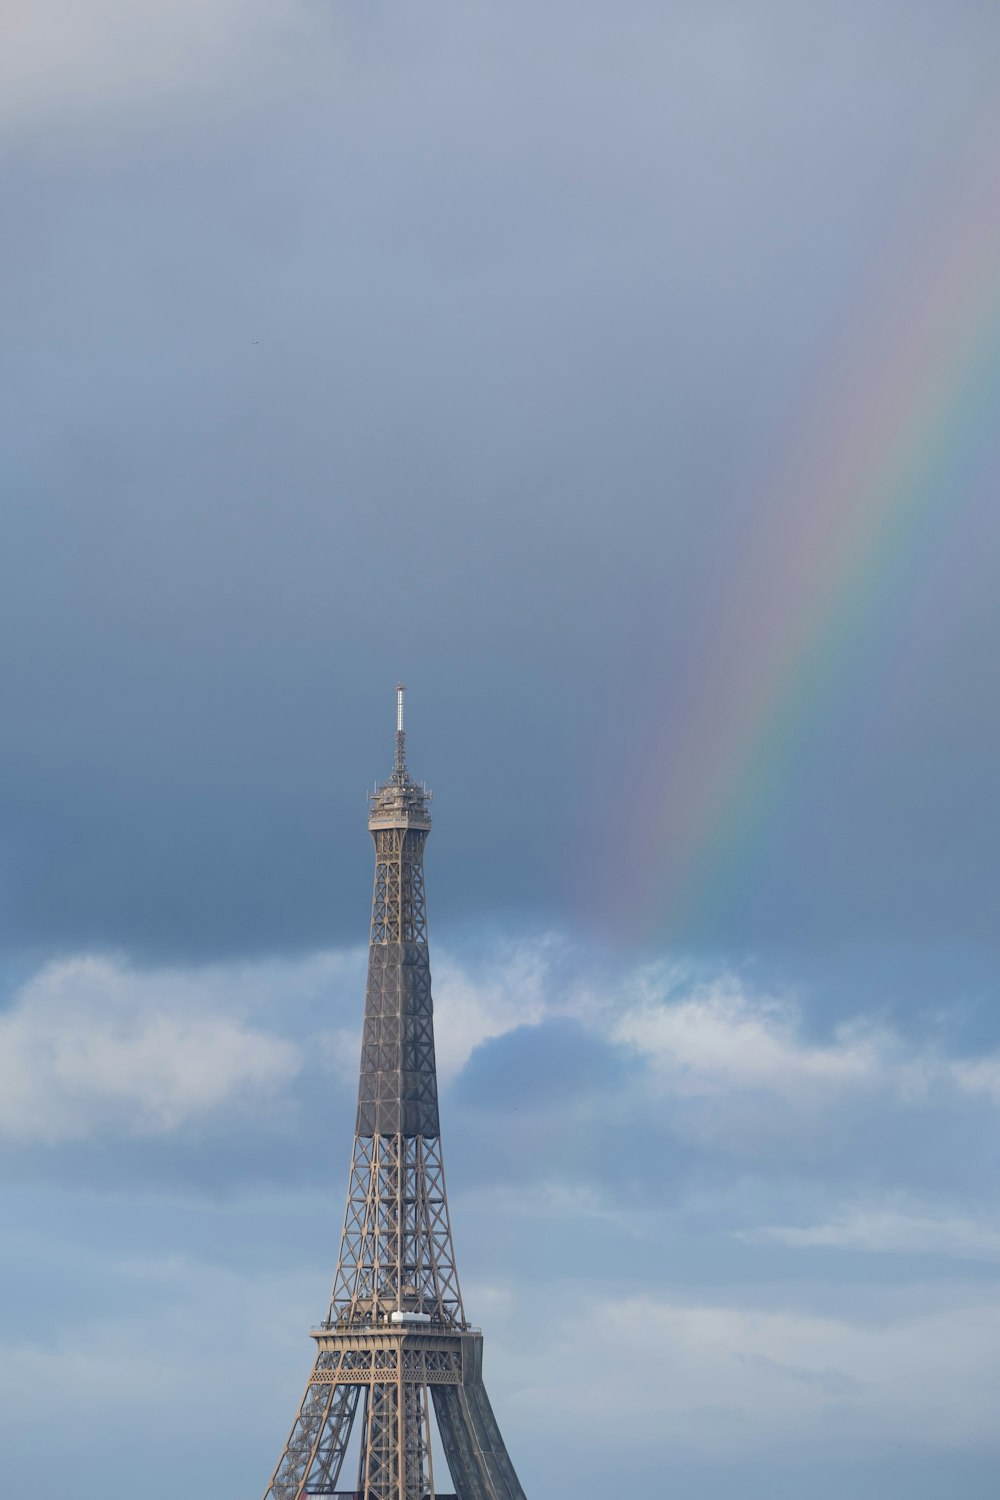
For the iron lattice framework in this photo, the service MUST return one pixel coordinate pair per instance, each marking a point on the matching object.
(395, 1339)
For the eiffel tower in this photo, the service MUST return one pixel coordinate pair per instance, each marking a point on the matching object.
(395, 1340)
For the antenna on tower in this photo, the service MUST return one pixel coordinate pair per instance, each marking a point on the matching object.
(400, 767)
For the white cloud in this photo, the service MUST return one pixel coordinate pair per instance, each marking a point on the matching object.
(734, 1380)
(709, 1039)
(61, 59)
(719, 1037)
(471, 1008)
(90, 1045)
(884, 1230)
(552, 1199)
(979, 1075)
(700, 1038)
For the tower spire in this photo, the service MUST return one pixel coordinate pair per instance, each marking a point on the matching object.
(399, 770)
(395, 1339)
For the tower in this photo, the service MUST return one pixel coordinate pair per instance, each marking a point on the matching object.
(395, 1339)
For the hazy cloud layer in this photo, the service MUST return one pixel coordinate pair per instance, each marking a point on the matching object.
(744, 1173)
(722, 1378)
(572, 1041)
(745, 1379)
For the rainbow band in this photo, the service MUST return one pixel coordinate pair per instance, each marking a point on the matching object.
(894, 446)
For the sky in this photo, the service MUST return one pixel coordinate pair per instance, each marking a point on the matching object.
(626, 380)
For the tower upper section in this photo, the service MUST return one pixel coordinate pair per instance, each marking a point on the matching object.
(397, 1093)
(400, 802)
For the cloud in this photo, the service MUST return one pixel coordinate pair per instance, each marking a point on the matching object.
(881, 1230)
(476, 1004)
(738, 1379)
(719, 1364)
(833, 1382)
(62, 60)
(550, 1199)
(91, 1046)
(216, 1326)
(709, 1038)
(979, 1076)
(721, 1037)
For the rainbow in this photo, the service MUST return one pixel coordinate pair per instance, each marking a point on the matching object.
(895, 441)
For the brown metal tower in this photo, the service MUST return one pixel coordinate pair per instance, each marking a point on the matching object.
(395, 1337)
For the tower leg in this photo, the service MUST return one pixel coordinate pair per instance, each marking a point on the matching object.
(314, 1453)
(473, 1446)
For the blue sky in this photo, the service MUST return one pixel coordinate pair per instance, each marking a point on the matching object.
(468, 345)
